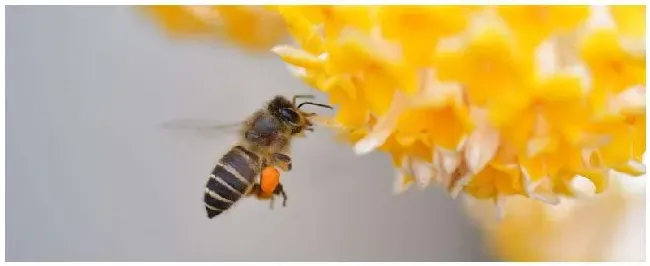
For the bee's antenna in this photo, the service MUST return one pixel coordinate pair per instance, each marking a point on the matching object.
(301, 96)
(316, 104)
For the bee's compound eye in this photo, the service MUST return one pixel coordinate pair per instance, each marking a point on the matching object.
(289, 115)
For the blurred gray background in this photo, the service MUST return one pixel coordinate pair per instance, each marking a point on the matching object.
(91, 176)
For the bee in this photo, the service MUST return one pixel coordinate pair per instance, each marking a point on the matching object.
(265, 141)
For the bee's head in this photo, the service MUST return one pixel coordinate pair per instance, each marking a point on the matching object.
(290, 114)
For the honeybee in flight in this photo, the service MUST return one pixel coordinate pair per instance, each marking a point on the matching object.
(264, 142)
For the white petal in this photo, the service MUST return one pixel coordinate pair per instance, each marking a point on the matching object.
(406, 164)
(586, 157)
(640, 167)
(450, 159)
(462, 142)
(402, 183)
(632, 168)
(631, 100)
(422, 171)
(450, 44)
(527, 182)
(543, 192)
(536, 145)
(634, 46)
(499, 205)
(582, 187)
(325, 121)
(541, 126)
(323, 56)
(481, 147)
(591, 141)
(580, 70)
(457, 187)
(437, 159)
(600, 17)
(207, 14)
(547, 58)
(384, 127)
(371, 142)
(435, 93)
(444, 164)
(299, 72)
(441, 176)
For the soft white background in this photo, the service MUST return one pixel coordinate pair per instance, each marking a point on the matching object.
(92, 176)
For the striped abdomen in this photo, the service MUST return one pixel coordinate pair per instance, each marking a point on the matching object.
(234, 174)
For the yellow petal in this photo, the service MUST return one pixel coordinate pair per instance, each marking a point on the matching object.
(631, 168)
(508, 108)
(339, 17)
(251, 26)
(379, 94)
(599, 177)
(562, 184)
(516, 126)
(420, 151)
(351, 136)
(639, 142)
(302, 30)
(630, 20)
(561, 87)
(611, 67)
(455, 128)
(345, 84)
(533, 168)
(396, 152)
(492, 182)
(511, 183)
(491, 67)
(298, 57)
(619, 150)
(352, 115)
(432, 22)
(544, 19)
(178, 20)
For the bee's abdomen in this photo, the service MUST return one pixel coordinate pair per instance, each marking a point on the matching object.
(230, 180)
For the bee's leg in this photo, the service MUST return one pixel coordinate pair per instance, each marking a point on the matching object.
(283, 161)
(272, 202)
(279, 190)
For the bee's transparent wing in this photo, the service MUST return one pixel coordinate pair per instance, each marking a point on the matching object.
(203, 127)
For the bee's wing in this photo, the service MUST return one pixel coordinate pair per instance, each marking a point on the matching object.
(204, 127)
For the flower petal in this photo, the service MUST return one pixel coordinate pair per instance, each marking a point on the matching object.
(403, 182)
(481, 146)
(298, 57)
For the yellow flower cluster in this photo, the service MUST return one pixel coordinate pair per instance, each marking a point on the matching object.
(486, 101)
(254, 28)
